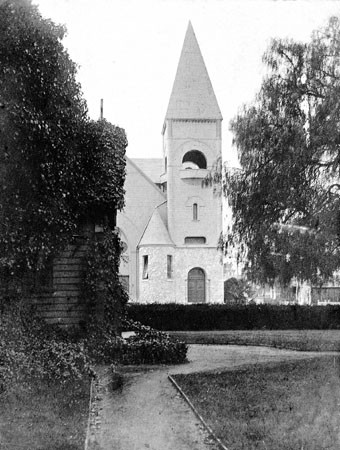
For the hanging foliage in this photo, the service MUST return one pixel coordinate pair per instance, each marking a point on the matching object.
(286, 197)
(102, 291)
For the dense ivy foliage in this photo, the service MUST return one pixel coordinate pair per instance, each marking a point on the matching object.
(57, 168)
(32, 350)
(286, 197)
(104, 295)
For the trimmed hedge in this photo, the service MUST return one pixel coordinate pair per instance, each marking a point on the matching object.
(179, 317)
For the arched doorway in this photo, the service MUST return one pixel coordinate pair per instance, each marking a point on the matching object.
(196, 286)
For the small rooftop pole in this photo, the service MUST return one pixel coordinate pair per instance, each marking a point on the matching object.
(101, 109)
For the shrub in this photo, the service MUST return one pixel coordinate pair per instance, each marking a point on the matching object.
(236, 291)
(31, 349)
(102, 345)
(147, 346)
(58, 360)
(150, 346)
(153, 352)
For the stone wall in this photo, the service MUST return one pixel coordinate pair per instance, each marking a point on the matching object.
(157, 288)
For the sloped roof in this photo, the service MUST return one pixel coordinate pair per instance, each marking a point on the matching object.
(156, 232)
(152, 167)
(148, 179)
(192, 94)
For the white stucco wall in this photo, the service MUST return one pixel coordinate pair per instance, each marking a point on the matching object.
(208, 259)
(159, 289)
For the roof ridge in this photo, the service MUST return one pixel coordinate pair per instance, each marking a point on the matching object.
(145, 176)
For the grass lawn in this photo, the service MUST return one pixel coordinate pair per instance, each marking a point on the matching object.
(304, 340)
(287, 405)
(45, 417)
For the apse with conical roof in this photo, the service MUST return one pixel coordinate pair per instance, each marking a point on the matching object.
(192, 95)
(155, 232)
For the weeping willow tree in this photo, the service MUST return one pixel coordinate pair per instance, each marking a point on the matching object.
(286, 197)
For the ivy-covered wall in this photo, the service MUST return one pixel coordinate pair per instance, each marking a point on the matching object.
(58, 168)
(60, 300)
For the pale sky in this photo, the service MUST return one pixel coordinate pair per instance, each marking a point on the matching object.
(128, 51)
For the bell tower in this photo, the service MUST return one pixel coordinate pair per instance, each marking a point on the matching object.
(191, 145)
(172, 233)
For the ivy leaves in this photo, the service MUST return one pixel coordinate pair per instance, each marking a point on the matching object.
(58, 168)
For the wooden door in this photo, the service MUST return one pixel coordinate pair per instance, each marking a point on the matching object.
(196, 286)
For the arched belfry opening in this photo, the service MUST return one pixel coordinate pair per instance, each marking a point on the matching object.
(194, 159)
(196, 285)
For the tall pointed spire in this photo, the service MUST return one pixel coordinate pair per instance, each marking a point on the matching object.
(192, 94)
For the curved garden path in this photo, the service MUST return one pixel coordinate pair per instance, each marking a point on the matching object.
(148, 413)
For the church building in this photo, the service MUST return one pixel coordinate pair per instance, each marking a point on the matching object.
(171, 223)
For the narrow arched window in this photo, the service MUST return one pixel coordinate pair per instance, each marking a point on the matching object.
(169, 266)
(195, 211)
(145, 267)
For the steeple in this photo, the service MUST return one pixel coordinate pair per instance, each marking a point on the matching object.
(192, 94)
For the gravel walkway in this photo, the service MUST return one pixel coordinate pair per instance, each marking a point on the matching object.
(148, 413)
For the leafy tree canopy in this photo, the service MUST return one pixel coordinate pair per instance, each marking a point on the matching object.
(57, 168)
(286, 198)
